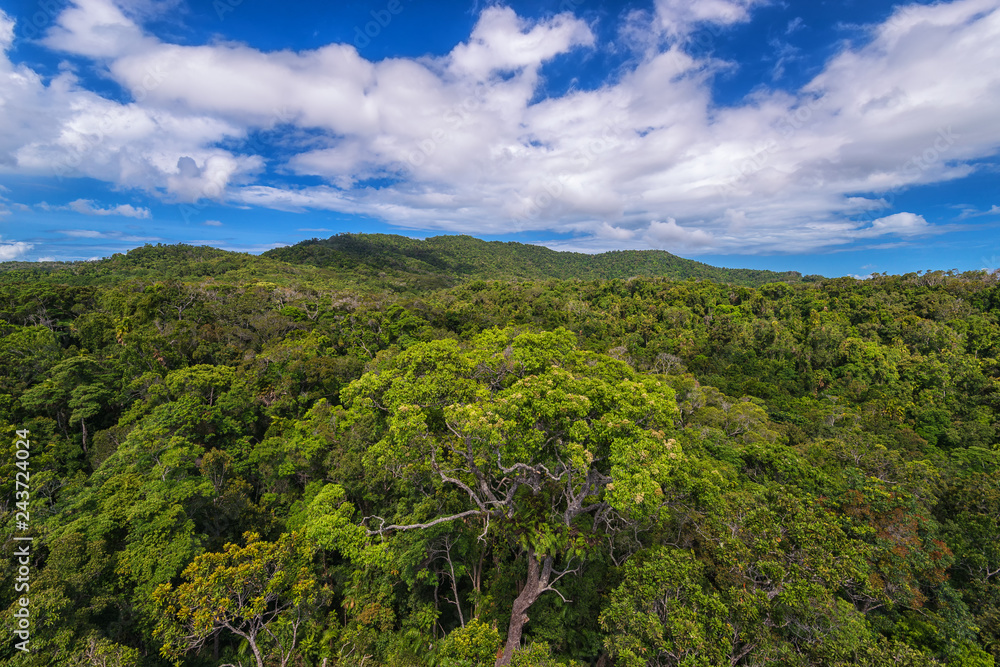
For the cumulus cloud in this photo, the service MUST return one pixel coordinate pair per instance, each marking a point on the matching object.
(95, 28)
(59, 128)
(671, 235)
(464, 142)
(678, 17)
(501, 41)
(11, 250)
(902, 224)
(190, 181)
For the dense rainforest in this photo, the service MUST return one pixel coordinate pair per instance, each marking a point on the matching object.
(334, 455)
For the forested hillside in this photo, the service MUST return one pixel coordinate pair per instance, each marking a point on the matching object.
(236, 461)
(172, 262)
(444, 261)
(383, 262)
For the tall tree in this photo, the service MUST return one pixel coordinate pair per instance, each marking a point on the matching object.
(262, 592)
(556, 446)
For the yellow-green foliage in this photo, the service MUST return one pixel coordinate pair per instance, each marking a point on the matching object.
(475, 645)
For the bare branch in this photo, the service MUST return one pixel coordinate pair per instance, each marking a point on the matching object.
(486, 529)
(457, 482)
(416, 526)
(556, 591)
(533, 471)
(560, 575)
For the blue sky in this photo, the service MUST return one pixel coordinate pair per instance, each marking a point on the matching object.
(836, 138)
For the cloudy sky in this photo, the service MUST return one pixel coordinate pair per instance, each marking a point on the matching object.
(835, 138)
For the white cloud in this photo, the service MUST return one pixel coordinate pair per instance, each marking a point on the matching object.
(671, 235)
(972, 212)
(83, 233)
(113, 235)
(678, 17)
(95, 28)
(212, 223)
(86, 207)
(11, 250)
(501, 41)
(606, 231)
(469, 150)
(901, 224)
(6, 31)
(59, 128)
(190, 182)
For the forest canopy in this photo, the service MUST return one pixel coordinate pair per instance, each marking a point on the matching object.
(333, 455)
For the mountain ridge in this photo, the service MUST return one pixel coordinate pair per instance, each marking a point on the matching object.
(387, 261)
(452, 258)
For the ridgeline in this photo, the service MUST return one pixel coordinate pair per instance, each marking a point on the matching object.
(444, 261)
(385, 262)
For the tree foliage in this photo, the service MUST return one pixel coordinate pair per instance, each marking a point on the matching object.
(372, 450)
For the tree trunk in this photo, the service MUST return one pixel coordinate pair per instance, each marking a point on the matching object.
(256, 653)
(251, 637)
(535, 584)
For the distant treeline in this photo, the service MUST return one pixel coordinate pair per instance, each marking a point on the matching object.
(392, 262)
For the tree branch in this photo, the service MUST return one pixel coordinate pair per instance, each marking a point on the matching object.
(417, 526)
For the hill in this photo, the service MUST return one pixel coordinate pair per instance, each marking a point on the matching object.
(382, 262)
(162, 262)
(443, 261)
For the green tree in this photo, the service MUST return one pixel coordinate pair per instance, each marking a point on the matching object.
(76, 390)
(666, 613)
(262, 592)
(554, 445)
